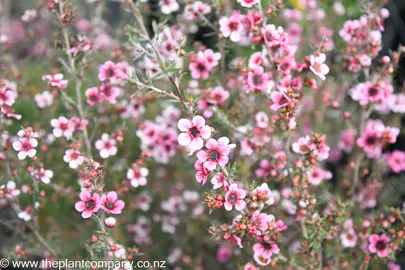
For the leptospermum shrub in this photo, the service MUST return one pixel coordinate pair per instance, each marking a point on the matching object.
(237, 134)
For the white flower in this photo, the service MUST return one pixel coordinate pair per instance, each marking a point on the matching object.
(44, 99)
(11, 190)
(74, 158)
(62, 127)
(29, 15)
(137, 175)
(317, 65)
(168, 6)
(106, 146)
(43, 175)
(25, 147)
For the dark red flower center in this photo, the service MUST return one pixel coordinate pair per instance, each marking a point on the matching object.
(109, 205)
(214, 155)
(381, 245)
(371, 140)
(283, 100)
(90, 204)
(257, 79)
(233, 198)
(201, 67)
(372, 91)
(26, 146)
(194, 132)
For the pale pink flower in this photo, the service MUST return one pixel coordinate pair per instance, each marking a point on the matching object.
(106, 146)
(248, 3)
(194, 132)
(25, 147)
(317, 65)
(44, 99)
(7, 96)
(62, 127)
(74, 158)
(348, 238)
(42, 175)
(232, 27)
(137, 175)
(168, 6)
(10, 189)
(29, 15)
(234, 197)
(56, 81)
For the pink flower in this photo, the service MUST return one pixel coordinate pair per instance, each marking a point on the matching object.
(62, 127)
(234, 197)
(347, 140)
(303, 145)
(317, 65)
(109, 92)
(248, 3)
(43, 100)
(168, 6)
(317, 175)
(217, 153)
(89, 204)
(106, 146)
(212, 97)
(366, 93)
(109, 72)
(279, 99)
(74, 158)
(25, 147)
(219, 181)
(202, 172)
(194, 132)
(264, 194)
(111, 204)
(232, 27)
(212, 57)
(10, 189)
(379, 244)
(93, 96)
(348, 238)
(262, 220)
(396, 161)
(224, 253)
(258, 79)
(262, 119)
(199, 66)
(42, 174)
(56, 81)
(7, 96)
(257, 59)
(273, 36)
(137, 175)
(263, 251)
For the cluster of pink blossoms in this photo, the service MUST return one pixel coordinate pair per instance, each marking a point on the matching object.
(159, 139)
(374, 136)
(212, 159)
(91, 203)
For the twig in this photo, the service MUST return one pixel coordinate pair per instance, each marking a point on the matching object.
(79, 104)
